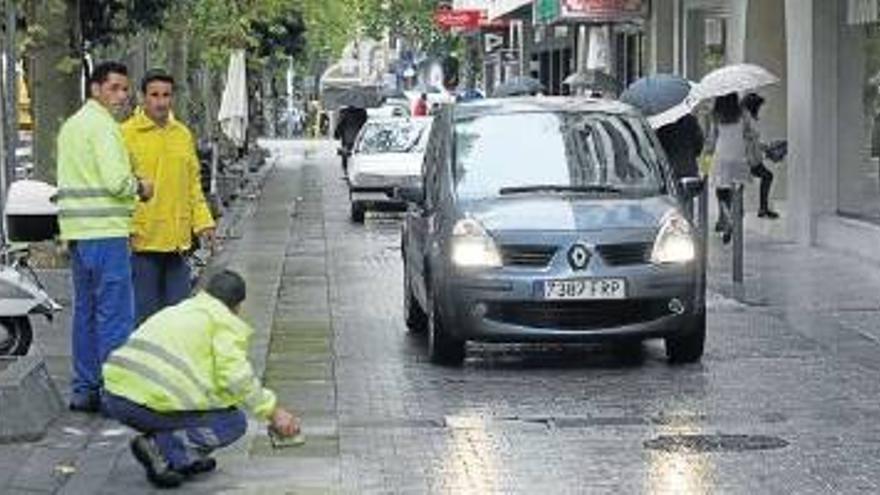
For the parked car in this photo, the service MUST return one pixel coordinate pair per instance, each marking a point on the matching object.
(387, 154)
(550, 219)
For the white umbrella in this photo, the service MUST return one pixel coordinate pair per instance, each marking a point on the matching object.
(233, 115)
(733, 79)
(729, 79)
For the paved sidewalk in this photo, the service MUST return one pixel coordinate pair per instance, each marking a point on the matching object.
(88, 455)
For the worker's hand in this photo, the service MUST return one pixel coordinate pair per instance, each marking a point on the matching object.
(208, 239)
(284, 423)
(145, 189)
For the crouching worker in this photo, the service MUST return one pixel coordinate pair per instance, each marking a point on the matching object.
(181, 380)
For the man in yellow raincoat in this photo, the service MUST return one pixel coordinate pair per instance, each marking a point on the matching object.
(163, 151)
(181, 380)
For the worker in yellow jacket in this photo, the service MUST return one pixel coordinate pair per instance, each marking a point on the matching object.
(181, 378)
(163, 151)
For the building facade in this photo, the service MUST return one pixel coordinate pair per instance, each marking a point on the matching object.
(827, 55)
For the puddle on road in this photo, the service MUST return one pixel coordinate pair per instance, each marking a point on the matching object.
(714, 443)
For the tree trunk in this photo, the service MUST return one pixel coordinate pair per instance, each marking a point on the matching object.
(56, 78)
(268, 99)
(137, 60)
(178, 60)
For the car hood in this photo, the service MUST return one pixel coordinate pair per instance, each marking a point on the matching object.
(388, 163)
(569, 213)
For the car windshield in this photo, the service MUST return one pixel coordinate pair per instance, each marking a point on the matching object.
(399, 136)
(547, 152)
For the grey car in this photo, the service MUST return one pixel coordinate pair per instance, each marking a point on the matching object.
(551, 220)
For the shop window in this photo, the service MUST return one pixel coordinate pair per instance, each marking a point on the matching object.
(859, 178)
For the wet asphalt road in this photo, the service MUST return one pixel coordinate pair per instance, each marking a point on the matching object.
(786, 400)
(769, 410)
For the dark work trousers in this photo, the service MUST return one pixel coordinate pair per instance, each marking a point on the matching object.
(103, 310)
(160, 280)
(183, 437)
(766, 176)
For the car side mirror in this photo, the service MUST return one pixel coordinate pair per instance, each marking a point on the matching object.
(410, 194)
(691, 186)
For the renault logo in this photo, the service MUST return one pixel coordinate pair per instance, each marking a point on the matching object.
(578, 256)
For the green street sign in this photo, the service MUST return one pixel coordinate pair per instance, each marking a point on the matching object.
(546, 10)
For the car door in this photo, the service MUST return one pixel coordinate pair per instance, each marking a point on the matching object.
(417, 219)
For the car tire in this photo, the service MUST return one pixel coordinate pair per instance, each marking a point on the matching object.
(358, 211)
(442, 348)
(414, 315)
(15, 336)
(688, 347)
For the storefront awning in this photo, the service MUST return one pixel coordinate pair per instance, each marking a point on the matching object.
(863, 11)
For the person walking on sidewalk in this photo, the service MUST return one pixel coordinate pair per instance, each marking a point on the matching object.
(181, 380)
(752, 103)
(729, 157)
(163, 151)
(96, 194)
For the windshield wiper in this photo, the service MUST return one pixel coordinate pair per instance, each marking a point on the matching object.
(594, 188)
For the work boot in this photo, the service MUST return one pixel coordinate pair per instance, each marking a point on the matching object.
(88, 404)
(199, 466)
(159, 472)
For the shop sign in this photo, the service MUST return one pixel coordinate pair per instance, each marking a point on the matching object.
(546, 11)
(602, 10)
(460, 19)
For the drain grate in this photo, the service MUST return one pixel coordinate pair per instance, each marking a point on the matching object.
(714, 443)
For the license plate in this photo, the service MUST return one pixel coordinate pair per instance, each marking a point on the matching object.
(585, 288)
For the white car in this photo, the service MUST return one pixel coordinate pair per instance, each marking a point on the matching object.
(387, 154)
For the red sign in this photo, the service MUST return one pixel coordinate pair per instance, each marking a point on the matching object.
(462, 19)
(604, 9)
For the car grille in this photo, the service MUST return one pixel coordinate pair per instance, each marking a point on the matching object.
(577, 315)
(527, 255)
(383, 180)
(634, 253)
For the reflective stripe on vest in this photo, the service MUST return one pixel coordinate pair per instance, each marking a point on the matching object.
(112, 211)
(173, 361)
(84, 192)
(145, 372)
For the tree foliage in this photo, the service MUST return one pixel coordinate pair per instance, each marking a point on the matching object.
(104, 21)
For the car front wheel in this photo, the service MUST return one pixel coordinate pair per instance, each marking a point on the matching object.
(688, 346)
(442, 347)
(358, 211)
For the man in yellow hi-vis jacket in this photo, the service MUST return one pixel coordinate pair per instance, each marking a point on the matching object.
(181, 378)
(163, 151)
(97, 192)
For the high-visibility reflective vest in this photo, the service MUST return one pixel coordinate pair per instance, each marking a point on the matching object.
(189, 357)
(96, 187)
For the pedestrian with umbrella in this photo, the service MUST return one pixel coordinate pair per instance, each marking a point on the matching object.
(729, 164)
(682, 139)
(752, 103)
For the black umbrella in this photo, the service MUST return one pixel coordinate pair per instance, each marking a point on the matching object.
(334, 97)
(518, 86)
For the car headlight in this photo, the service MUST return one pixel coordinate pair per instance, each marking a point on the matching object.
(472, 246)
(675, 241)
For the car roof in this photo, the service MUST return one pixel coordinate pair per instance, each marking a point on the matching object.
(529, 104)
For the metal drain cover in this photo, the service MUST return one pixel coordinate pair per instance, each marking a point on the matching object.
(714, 443)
